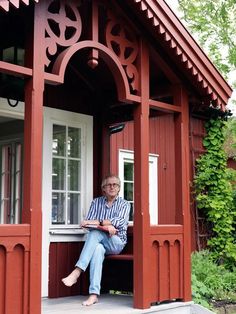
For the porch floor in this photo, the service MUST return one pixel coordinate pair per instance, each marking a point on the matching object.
(107, 304)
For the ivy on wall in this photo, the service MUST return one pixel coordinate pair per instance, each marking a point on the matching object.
(214, 193)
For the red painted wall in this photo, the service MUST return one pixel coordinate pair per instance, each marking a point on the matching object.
(62, 259)
(14, 268)
(231, 163)
(162, 143)
(197, 133)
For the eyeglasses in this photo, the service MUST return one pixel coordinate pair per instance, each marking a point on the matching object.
(112, 185)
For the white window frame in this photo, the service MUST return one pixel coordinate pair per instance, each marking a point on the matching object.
(14, 113)
(13, 182)
(85, 123)
(66, 159)
(128, 155)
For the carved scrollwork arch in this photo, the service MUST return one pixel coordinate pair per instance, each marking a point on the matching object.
(109, 58)
(123, 42)
(63, 26)
(63, 30)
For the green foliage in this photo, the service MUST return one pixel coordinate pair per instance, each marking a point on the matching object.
(210, 281)
(214, 23)
(232, 177)
(214, 193)
(230, 135)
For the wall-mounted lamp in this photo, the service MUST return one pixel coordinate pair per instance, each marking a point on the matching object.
(116, 128)
(12, 103)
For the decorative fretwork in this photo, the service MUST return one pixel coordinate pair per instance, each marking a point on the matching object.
(63, 26)
(122, 41)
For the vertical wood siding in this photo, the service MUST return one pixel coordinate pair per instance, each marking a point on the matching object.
(167, 263)
(3, 256)
(231, 163)
(14, 269)
(197, 133)
(162, 138)
(62, 259)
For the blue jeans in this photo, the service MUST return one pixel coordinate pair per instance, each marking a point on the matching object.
(97, 244)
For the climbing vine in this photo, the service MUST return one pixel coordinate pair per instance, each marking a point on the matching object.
(214, 193)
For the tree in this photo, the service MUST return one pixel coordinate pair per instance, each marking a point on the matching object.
(214, 23)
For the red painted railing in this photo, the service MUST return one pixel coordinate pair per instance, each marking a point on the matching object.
(14, 268)
(166, 266)
(167, 263)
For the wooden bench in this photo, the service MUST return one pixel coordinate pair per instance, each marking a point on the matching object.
(121, 257)
(115, 265)
(127, 253)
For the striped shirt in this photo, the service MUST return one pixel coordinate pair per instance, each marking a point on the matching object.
(118, 214)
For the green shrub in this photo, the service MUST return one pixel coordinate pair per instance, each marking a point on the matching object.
(214, 193)
(210, 281)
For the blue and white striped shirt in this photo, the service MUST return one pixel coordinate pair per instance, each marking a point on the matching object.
(118, 214)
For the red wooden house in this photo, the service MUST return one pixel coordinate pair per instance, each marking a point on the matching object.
(87, 87)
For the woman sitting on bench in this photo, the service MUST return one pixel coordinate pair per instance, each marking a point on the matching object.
(112, 212)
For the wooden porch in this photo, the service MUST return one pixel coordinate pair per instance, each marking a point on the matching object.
(108, 303)
(165, 266)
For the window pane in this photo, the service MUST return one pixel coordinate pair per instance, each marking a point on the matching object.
(6, 184)
(11, 175)
(128, 191)
(74, 142)
(128, 171)
(73, 203)
(73, 175)
(58, 205)
(58, 174)
(66, 176)
(59, 140)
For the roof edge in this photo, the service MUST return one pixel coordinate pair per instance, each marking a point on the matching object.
(179, 40)
(5, 4)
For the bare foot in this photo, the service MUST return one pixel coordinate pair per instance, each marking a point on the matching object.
(92, 299)
(72, 278)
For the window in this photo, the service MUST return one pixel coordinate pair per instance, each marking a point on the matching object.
(67, 168)
(66, 175)
(11, 187)
(13, 55)
(126, 173)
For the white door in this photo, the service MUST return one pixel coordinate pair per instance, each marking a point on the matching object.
(67, 179)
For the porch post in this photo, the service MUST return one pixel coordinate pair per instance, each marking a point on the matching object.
(32, 180)
(141, 189)
(105, 162)
(183, 192)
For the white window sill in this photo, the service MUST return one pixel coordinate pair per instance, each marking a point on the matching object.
(67, 231)
(67, 235)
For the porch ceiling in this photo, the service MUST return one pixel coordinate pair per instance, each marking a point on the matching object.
(179, 45)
